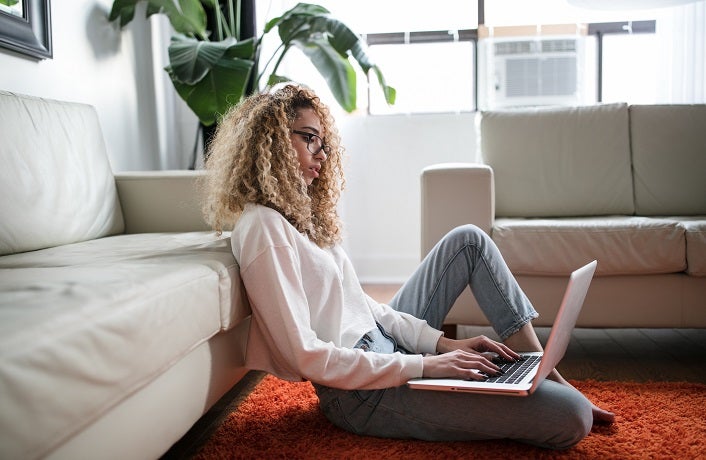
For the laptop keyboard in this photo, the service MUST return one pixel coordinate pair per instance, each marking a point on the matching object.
(514, 372)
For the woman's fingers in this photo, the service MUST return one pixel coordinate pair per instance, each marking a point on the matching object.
(483, 343)
(466, 361)
(459, 364)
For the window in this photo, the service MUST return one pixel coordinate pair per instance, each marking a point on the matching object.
(423, 49)
(429, 77)
(628, 61)
(631, 55)
(544, 52)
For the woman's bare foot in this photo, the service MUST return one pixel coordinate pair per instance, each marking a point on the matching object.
(526, 339)
(600, 416)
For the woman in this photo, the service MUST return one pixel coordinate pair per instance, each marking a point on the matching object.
(275, 178)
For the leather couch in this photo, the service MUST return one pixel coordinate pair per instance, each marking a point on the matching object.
(558, 187)
(122, 317)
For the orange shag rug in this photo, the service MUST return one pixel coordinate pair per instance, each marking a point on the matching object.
(282, 419)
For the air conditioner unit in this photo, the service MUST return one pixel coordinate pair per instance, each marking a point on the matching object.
(530, 71)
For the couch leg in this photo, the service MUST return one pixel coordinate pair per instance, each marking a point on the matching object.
(450, 331)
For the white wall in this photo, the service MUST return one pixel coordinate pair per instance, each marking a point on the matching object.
(381, 203)
(95, 63)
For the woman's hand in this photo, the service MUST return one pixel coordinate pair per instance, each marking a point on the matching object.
(459, 364)
(466, 358)
(480, 344)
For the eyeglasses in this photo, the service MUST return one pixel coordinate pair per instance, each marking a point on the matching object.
(314, 143)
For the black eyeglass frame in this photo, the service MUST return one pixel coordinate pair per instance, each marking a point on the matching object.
(309, 137)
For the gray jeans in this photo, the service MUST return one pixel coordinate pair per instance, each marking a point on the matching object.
(555, 416)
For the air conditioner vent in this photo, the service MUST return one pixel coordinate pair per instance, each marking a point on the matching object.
(558, 46)
(535, 46)
(505, 48)
(532, 77)
(531, 71)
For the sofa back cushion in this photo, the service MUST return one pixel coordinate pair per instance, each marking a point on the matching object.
(669, 159)
(564, 161)
(56, 183)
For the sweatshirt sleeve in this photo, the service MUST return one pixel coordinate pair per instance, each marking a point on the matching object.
(412, 333)
(289, 345)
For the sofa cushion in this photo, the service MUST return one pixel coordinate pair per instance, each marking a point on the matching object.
(695, 244)
(669, 159)
(98, 320)
(622, 245)
(569, 161)
(55, 179)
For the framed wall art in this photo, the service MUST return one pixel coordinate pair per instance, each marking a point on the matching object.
(25, 27)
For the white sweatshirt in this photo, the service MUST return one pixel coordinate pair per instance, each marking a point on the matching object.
(309, 310)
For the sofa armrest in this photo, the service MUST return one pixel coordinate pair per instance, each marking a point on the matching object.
(455, 194)
(161, 201)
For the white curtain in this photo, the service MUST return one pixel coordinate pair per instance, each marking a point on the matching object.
(684, 68)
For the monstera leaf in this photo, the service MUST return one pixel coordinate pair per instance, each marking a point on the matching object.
(329, 44)
(210, 76)
(213, 69)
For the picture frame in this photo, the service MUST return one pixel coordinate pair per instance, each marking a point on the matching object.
(30, 32)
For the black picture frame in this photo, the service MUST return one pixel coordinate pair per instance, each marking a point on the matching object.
(29, 35)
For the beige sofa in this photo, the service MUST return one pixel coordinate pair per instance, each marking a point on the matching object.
(122, 318)
(558, 187)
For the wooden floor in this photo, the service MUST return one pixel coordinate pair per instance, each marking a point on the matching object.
(602, 354)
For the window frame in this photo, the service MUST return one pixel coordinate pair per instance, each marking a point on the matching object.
(599, 30)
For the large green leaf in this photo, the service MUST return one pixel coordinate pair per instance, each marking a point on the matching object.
(244, 49)
(336, 69)
(307, 26)
(191, 59)
(347, 42)
(301, 9)
(124, 10)
(186, 16)
(212, 75)
(275, 79)
(222, 86)
(367, 65)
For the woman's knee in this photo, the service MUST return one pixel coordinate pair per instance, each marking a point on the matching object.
(466, 234)
(577, 427)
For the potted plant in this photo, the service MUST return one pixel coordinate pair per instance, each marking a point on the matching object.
(214, 69)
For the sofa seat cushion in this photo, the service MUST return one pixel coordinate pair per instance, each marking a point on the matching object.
(695, 244)
(623, 245)
(96, 321)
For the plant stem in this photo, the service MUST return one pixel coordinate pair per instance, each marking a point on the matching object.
(269, 61)
(286, 47)
(219, 25)
(235, 18)
(279, 61)
(222, 26)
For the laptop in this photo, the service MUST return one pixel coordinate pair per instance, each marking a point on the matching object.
(536, 366)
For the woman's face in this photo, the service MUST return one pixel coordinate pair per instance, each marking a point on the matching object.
(305, 136)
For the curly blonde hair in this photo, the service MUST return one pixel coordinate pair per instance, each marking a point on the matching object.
(251, 160)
